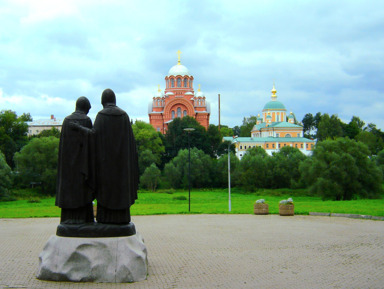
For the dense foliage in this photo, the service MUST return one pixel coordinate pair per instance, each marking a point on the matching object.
(342, 170)
(5, 178)
(13, 134)
(37, 163)
(347, 163)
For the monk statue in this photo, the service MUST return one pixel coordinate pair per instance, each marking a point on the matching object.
(74, 186)
(117, 172)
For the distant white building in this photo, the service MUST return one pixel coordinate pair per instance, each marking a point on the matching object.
(37, 126)
(274, 130)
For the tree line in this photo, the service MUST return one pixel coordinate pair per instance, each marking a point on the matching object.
(347, 162)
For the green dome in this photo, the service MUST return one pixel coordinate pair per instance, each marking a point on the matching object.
(274, 104)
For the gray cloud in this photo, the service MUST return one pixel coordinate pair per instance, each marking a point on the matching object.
(323, 55)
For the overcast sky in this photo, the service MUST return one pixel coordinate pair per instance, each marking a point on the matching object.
(324, 56)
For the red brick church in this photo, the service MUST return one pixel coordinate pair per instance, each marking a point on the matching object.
(178, 99)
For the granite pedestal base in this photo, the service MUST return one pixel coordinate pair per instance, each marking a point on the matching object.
(110, 260)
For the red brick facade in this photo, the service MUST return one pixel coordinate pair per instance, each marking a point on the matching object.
(177, 100)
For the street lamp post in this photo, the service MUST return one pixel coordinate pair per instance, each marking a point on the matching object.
(188, 130)
(229, 173)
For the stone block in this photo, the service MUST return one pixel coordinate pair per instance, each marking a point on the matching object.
(110, 260)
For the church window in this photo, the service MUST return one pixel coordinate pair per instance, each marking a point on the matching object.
(307, 145)
(185, 82)
(245, 147)
(241, 147)
(179, 82)
(277, 135)
(172, 83)
(279, 145)
(184, 112)
(295, 145)
(301, 145)
(298, 135)
(158, 129)
(173, 114)
(285, 144)
(287, 135)
(267, 145)
(273, 145)
(178, 112)
(277, 117)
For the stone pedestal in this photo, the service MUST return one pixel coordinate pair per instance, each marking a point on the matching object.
(113, 260)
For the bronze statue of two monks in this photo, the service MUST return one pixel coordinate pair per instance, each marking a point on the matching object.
(101, 163)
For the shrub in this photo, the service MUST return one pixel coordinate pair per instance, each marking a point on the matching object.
(342, 170)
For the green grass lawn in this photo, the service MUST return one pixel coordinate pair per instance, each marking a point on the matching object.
(207, 202)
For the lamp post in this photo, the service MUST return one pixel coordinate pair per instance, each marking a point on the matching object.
(229, 172)
(188, 130)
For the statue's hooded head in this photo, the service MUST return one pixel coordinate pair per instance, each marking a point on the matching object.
(108, 97)
(83, 104)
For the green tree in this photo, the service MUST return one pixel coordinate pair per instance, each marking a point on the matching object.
(308, 125)
(380, 160)
(201, 169)
(13, 134)
(329, 127)
(151, 177)
(146, 158)
(26, 117)
(248, 124)
(37, 162)
(285, 167)
(172, 175)
(214, 140)
(226, 131)
(176, 138)
(373, 143)
(50, 132)
(149, 143)
(252, 172)
(5, 178)
(354, 127)
(375, 148)
(236, 130)
(341, 170)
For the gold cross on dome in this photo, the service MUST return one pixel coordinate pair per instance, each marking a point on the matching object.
(178, 56)
(158, 88)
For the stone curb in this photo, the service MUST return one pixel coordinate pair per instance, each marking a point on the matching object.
(355, 216)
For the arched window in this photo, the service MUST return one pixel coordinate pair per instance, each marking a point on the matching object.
(185, 82)
(287, 135)
(178, 112)
(179, 82)
(172, 82)
(173, 114)
(185, 112)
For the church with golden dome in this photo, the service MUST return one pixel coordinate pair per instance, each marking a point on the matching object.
(274, 130)
(178, 100)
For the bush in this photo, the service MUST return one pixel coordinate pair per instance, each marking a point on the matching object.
(5, 179)
(34, 200)
(342, 170)
(37, 162)
(180, 198)
(150, 177)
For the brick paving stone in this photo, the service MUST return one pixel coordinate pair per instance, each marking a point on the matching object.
(222, 251)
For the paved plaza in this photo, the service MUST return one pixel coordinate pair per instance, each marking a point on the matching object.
(222, 251)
